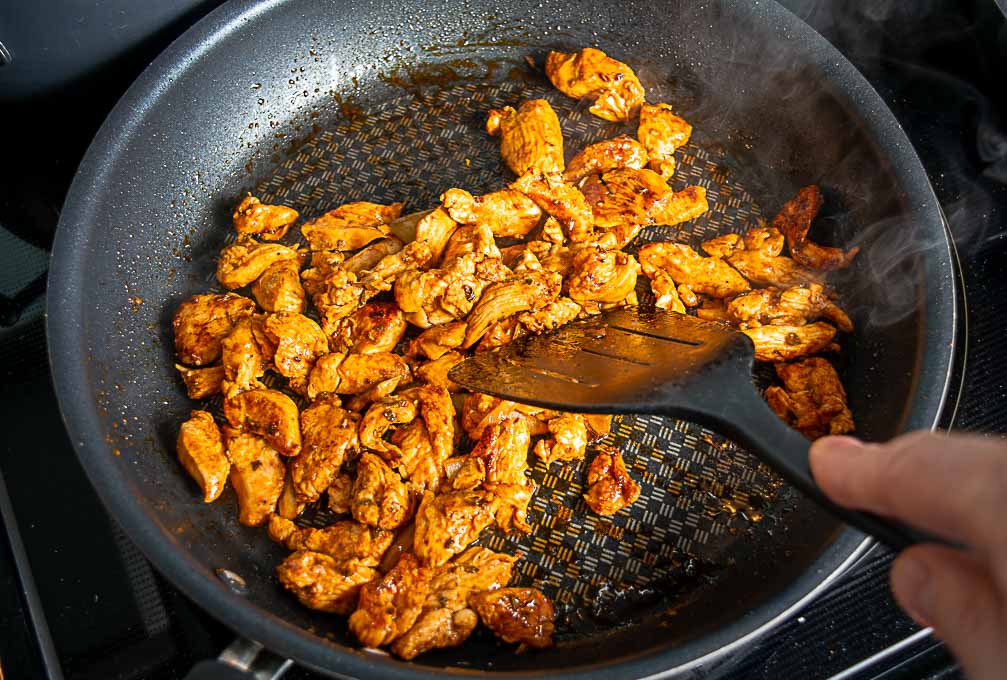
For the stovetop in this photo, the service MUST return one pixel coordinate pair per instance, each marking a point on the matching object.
(77, 600)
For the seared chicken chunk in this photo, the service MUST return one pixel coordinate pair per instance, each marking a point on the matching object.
(438, 412)
(530, 137)
(665, 292)
(436, 372)
(712, 310)
(435, 230)
(269, 414)
(279, 288)
(268, 222)
(436, 341)
(790, 307)
(202, 321)
(506, 212)
(350, 226)
(201, 383)
(501, 333)
(620, 152)
(246, 353)
(375, 327)
(246, 259)
(523, 615)
(389, 607)
(472, 239)
(328, 436)
(662, 133)
(324, 583)
(510, 504)
(479, 411)
(794, 221)
(382, 416)
(416, 461)
(381, 277)
(784, 343)
(354, 373)
(610, 488)
(569, 439)
(299, 343)
(200, 448)
(439, 295)
(550, 317)
(502, 452)
(629, 196)
(379, 498)
(590, 73)
(257, 474)
(705, 275)
(346, 540)
(447, 523)
(757, 257)
(368, 257)
(446, 619)
(600, 275)
(562, 201)
(339, 494)
(812, 399)
(504, 298)
(335, 293)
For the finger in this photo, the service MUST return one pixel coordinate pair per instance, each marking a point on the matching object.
(954, 593)
(953, 486)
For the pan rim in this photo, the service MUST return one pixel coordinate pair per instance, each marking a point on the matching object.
(67, 355)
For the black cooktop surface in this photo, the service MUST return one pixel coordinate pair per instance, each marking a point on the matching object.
(77, 600)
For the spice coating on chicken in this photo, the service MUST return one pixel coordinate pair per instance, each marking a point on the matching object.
(790, 307)
(504, 298)
(346, 540)
(299, 343)
(506, 212)
(388, 607)
(785, 343)
(269, 414)
(590, 73)
(201, 383)
(812, 399)
(705, 275)
(620, 152)
(434, 342)
(600, 275)
(447, 523)
(202, 321)
(324, 583)
(523, 615)
(530, 137)
(246, 259)
(640, 196)
(257, 475)
(379, 498)
(350, 226)
(279, 288)
(794, 221)
(564, 202)
(662, 133)
(568, 440)
(200, 448)
(375, 327)
(268, 222)
(328, 436)
(610, 488)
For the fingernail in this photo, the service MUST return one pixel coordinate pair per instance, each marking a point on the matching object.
(915, 588)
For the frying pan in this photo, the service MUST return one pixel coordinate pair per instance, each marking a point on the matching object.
(313, 103)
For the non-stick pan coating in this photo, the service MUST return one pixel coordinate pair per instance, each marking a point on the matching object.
(316, 104)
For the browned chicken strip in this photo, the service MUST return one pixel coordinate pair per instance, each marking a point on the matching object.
(246, 353)
(379, 498)
(279, 288)
(246, 259)
(550, 317)
(299, 343)
(530, 137)
(439, 295)
(448, 523)
(350, 226)
(784, 343)
(328, 436)
(479, 411)
(388, 607)
(757, 257)
(375, 327)
(620, 152)
(794, 221)
(590, 73)
(324, 583)
(568, 439)
(630, 196)
(201, 383)
(340, 493)
(417, 462)
(435, 230)
(705, 275)
(257, 474)
(269, 414)
(610, 488)
(564, 202)
(504, 298)
(436, 372)
(472, 239)
(600, 275)
(662, 133)
(335, 293)
(369, 257)
(202, 321)
(791, 307)
(446, 619)
(666, 292)
(506, 212)
(382, 416)
(346, 540)
(523, 615)
(268, 222)
(812, 399)
(434, 342)
(200, 448)
(381, 277)
(354, 373)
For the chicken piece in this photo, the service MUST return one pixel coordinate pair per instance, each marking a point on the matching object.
(506, 212)
(598, 426)
(706, 275)
(246, 353)
(268, 222)
(790, 307)
(447, 523)
(382, 416)
(499, 300)
(481, 410)
(257, 475)
(438, 412)
(269, 414)
(501, 333)
(372, 254)
(510, 504)
(610, 488)
(600, 275)
(346, 540)
(390, 606)
(324, 583)
(629, 196)
(246, 259)
(436, 341)
(201, 383)
(340, 493)
(436, 372)
(287, 506)
(440, 295)
(335, 293)
(446, 620)
(417, 462)
(299, 343)
(279, 288)
(757, 257)
(375, 327)
(361, 401)
(354, 373)
(724, 245)
(202, 321)
(665, 292)
(620, 152)
(812, 399)
(502, 451)
(328, 437)
(562, 201)
(530, 137)
(415, 255)
(794, 221)
(350, 226)
(472, 239)
(523, 615)
(435, 229)
(713, 310)
(785, 343)
(380, 498)
(200, 449)
(550, 317)
(568, 441)
(662, 133)
(592, 74)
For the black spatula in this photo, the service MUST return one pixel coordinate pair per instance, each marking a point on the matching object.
(637, 360)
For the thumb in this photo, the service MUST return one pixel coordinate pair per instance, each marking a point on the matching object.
(955, 594)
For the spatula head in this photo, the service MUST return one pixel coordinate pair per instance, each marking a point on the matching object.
(629, 360)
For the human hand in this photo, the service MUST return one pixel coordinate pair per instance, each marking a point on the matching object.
(956, 487)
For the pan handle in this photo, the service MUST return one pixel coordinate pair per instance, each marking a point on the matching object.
(242, 660)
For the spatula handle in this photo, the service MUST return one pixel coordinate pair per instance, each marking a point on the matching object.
(754, 425)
